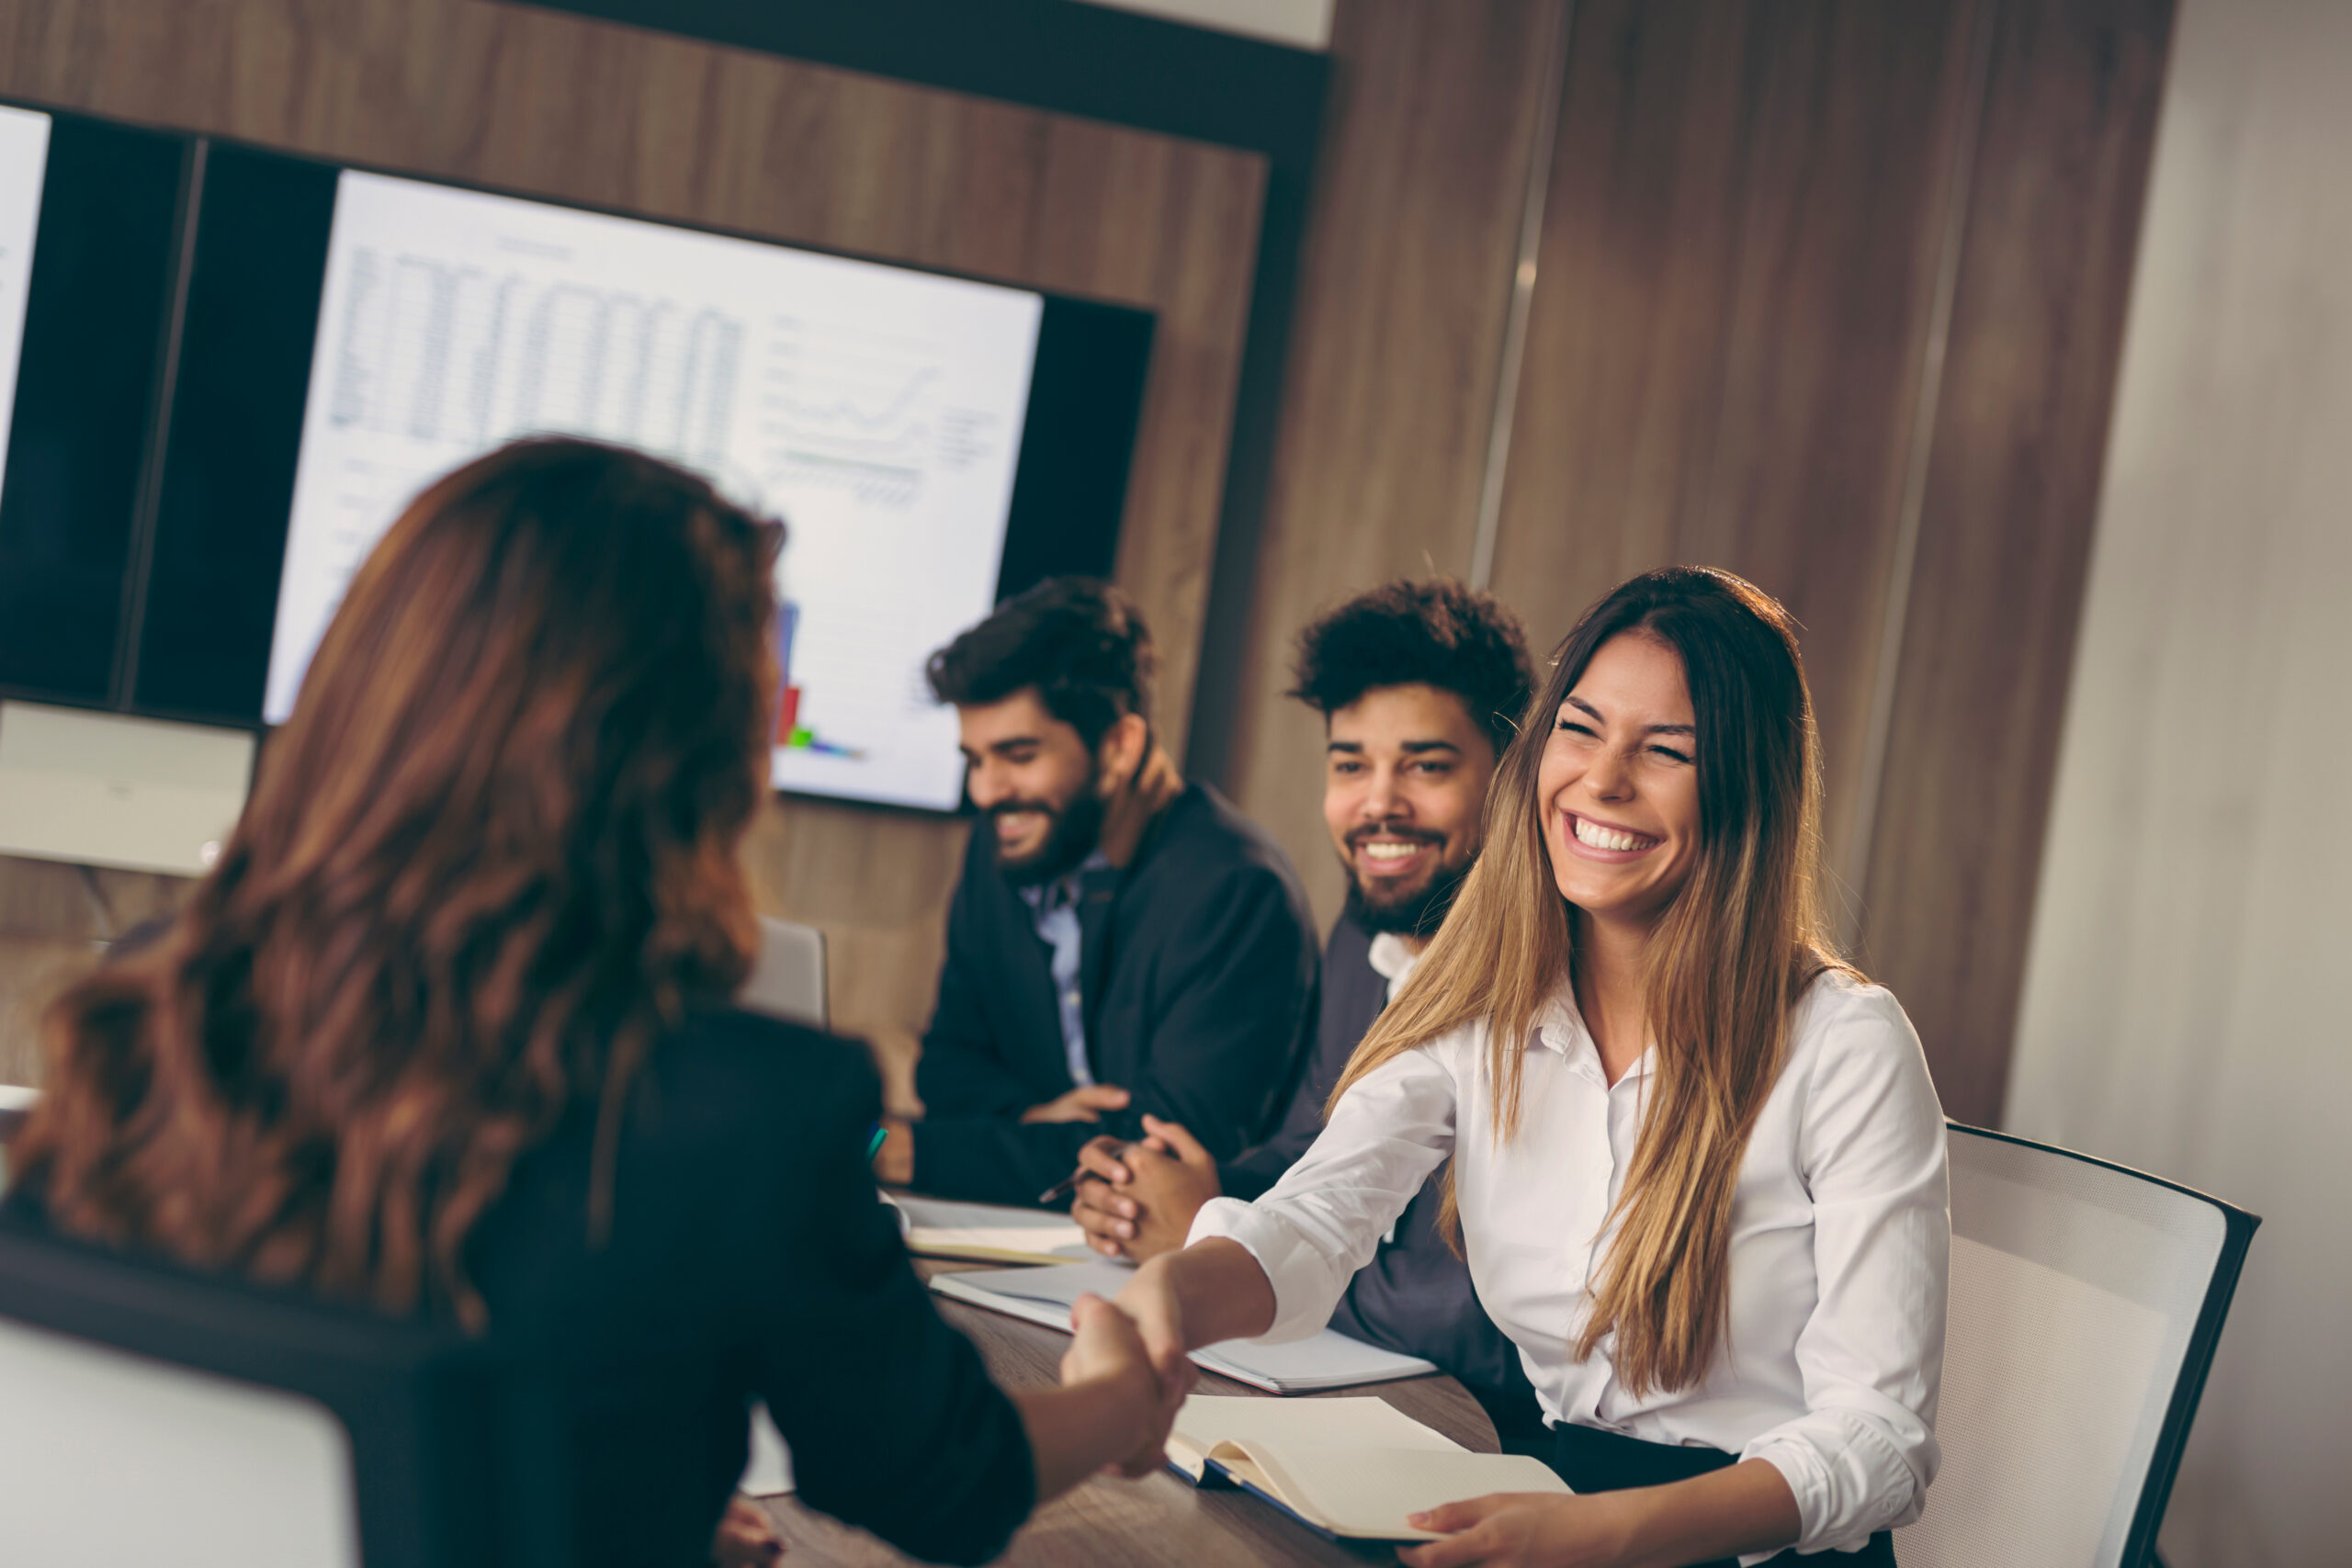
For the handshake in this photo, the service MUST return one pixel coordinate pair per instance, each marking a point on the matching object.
(1137, 1201)
(1128, 1372)
(1127, 1363)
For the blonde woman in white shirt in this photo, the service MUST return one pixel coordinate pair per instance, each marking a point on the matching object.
(1698, 1165)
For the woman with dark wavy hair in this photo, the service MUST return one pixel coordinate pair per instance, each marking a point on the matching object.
(447, 1033)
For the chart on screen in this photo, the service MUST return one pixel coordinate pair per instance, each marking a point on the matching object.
(24, 161)
(878, 411)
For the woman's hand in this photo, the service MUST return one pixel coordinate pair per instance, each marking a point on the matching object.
(1150, 1299)
(1525, 1530)
(1744, 1508)
(745, 1538)
(1105, 1348)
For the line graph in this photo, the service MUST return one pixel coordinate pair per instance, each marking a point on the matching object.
(845, 410)
(852, 408)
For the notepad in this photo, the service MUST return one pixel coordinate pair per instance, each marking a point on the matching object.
(986, 1233)
(1303, 1366)
(1346, 1468)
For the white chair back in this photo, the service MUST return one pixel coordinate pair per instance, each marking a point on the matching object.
(152, 1414)
(789, 980)
(112, 1458)
(2086, 1301)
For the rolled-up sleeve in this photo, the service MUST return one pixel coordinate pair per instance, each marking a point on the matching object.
(1862, 1457)
(1324, 1219)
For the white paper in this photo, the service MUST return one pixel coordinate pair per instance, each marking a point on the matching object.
(1208, 1419)
(768, 1469)
(879, 410)
(1359, 1462)
(1326, 1360)
(1368, 1492)
(997, 1226)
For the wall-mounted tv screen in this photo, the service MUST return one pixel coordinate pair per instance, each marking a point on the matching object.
(933, 443)
(879, 409)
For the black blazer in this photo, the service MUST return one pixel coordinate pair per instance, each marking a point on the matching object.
(1415, 1296)
(1197, 973)
(749, 1258)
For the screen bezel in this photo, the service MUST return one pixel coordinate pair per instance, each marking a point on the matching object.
(96, 336)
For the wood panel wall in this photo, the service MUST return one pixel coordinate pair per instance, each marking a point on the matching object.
(1757, 215)
(544, 103)
(1394, 358)
(2004, 533)
(1760, 216)
(1725, 352)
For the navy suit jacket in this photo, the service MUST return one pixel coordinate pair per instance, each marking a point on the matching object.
(748, 1259)
(1197, 979)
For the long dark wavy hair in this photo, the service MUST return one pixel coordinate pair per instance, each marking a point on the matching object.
(490, 860)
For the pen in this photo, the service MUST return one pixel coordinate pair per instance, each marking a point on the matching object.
(1068, 1184)
(874, 1144)
(1060, 1189)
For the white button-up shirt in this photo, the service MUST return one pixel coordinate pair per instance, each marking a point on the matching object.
(1391, 960)
(1841, 1236)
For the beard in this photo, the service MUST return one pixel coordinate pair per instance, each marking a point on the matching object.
(1072, 830)
(1415, 913)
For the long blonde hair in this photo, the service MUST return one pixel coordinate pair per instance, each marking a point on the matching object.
(1723, 968)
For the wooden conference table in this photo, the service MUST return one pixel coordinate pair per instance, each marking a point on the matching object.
(1108, 1520)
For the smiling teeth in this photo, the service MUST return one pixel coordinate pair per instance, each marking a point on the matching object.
(1389, 852)
(1601, 838)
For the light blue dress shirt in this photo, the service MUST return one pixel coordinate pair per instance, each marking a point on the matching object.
(1054, 905)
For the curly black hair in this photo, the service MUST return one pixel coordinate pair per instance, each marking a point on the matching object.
(1080, 642)
(1437, 633)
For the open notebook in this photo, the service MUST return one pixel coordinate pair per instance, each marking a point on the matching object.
(1303, 1366)
(986, 1233)
(1351, 1468)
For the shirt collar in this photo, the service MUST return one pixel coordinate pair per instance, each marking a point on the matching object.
(1392, 960)
(1061, 893)
(1559, 1028)
(1390, 957)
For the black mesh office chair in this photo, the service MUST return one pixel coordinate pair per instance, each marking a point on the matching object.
(2086, 1302)
(156, 1415)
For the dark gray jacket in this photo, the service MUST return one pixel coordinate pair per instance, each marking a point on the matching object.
(1415, 1294)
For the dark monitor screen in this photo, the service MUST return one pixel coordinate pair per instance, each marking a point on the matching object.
(88, 214)
(934, 443)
